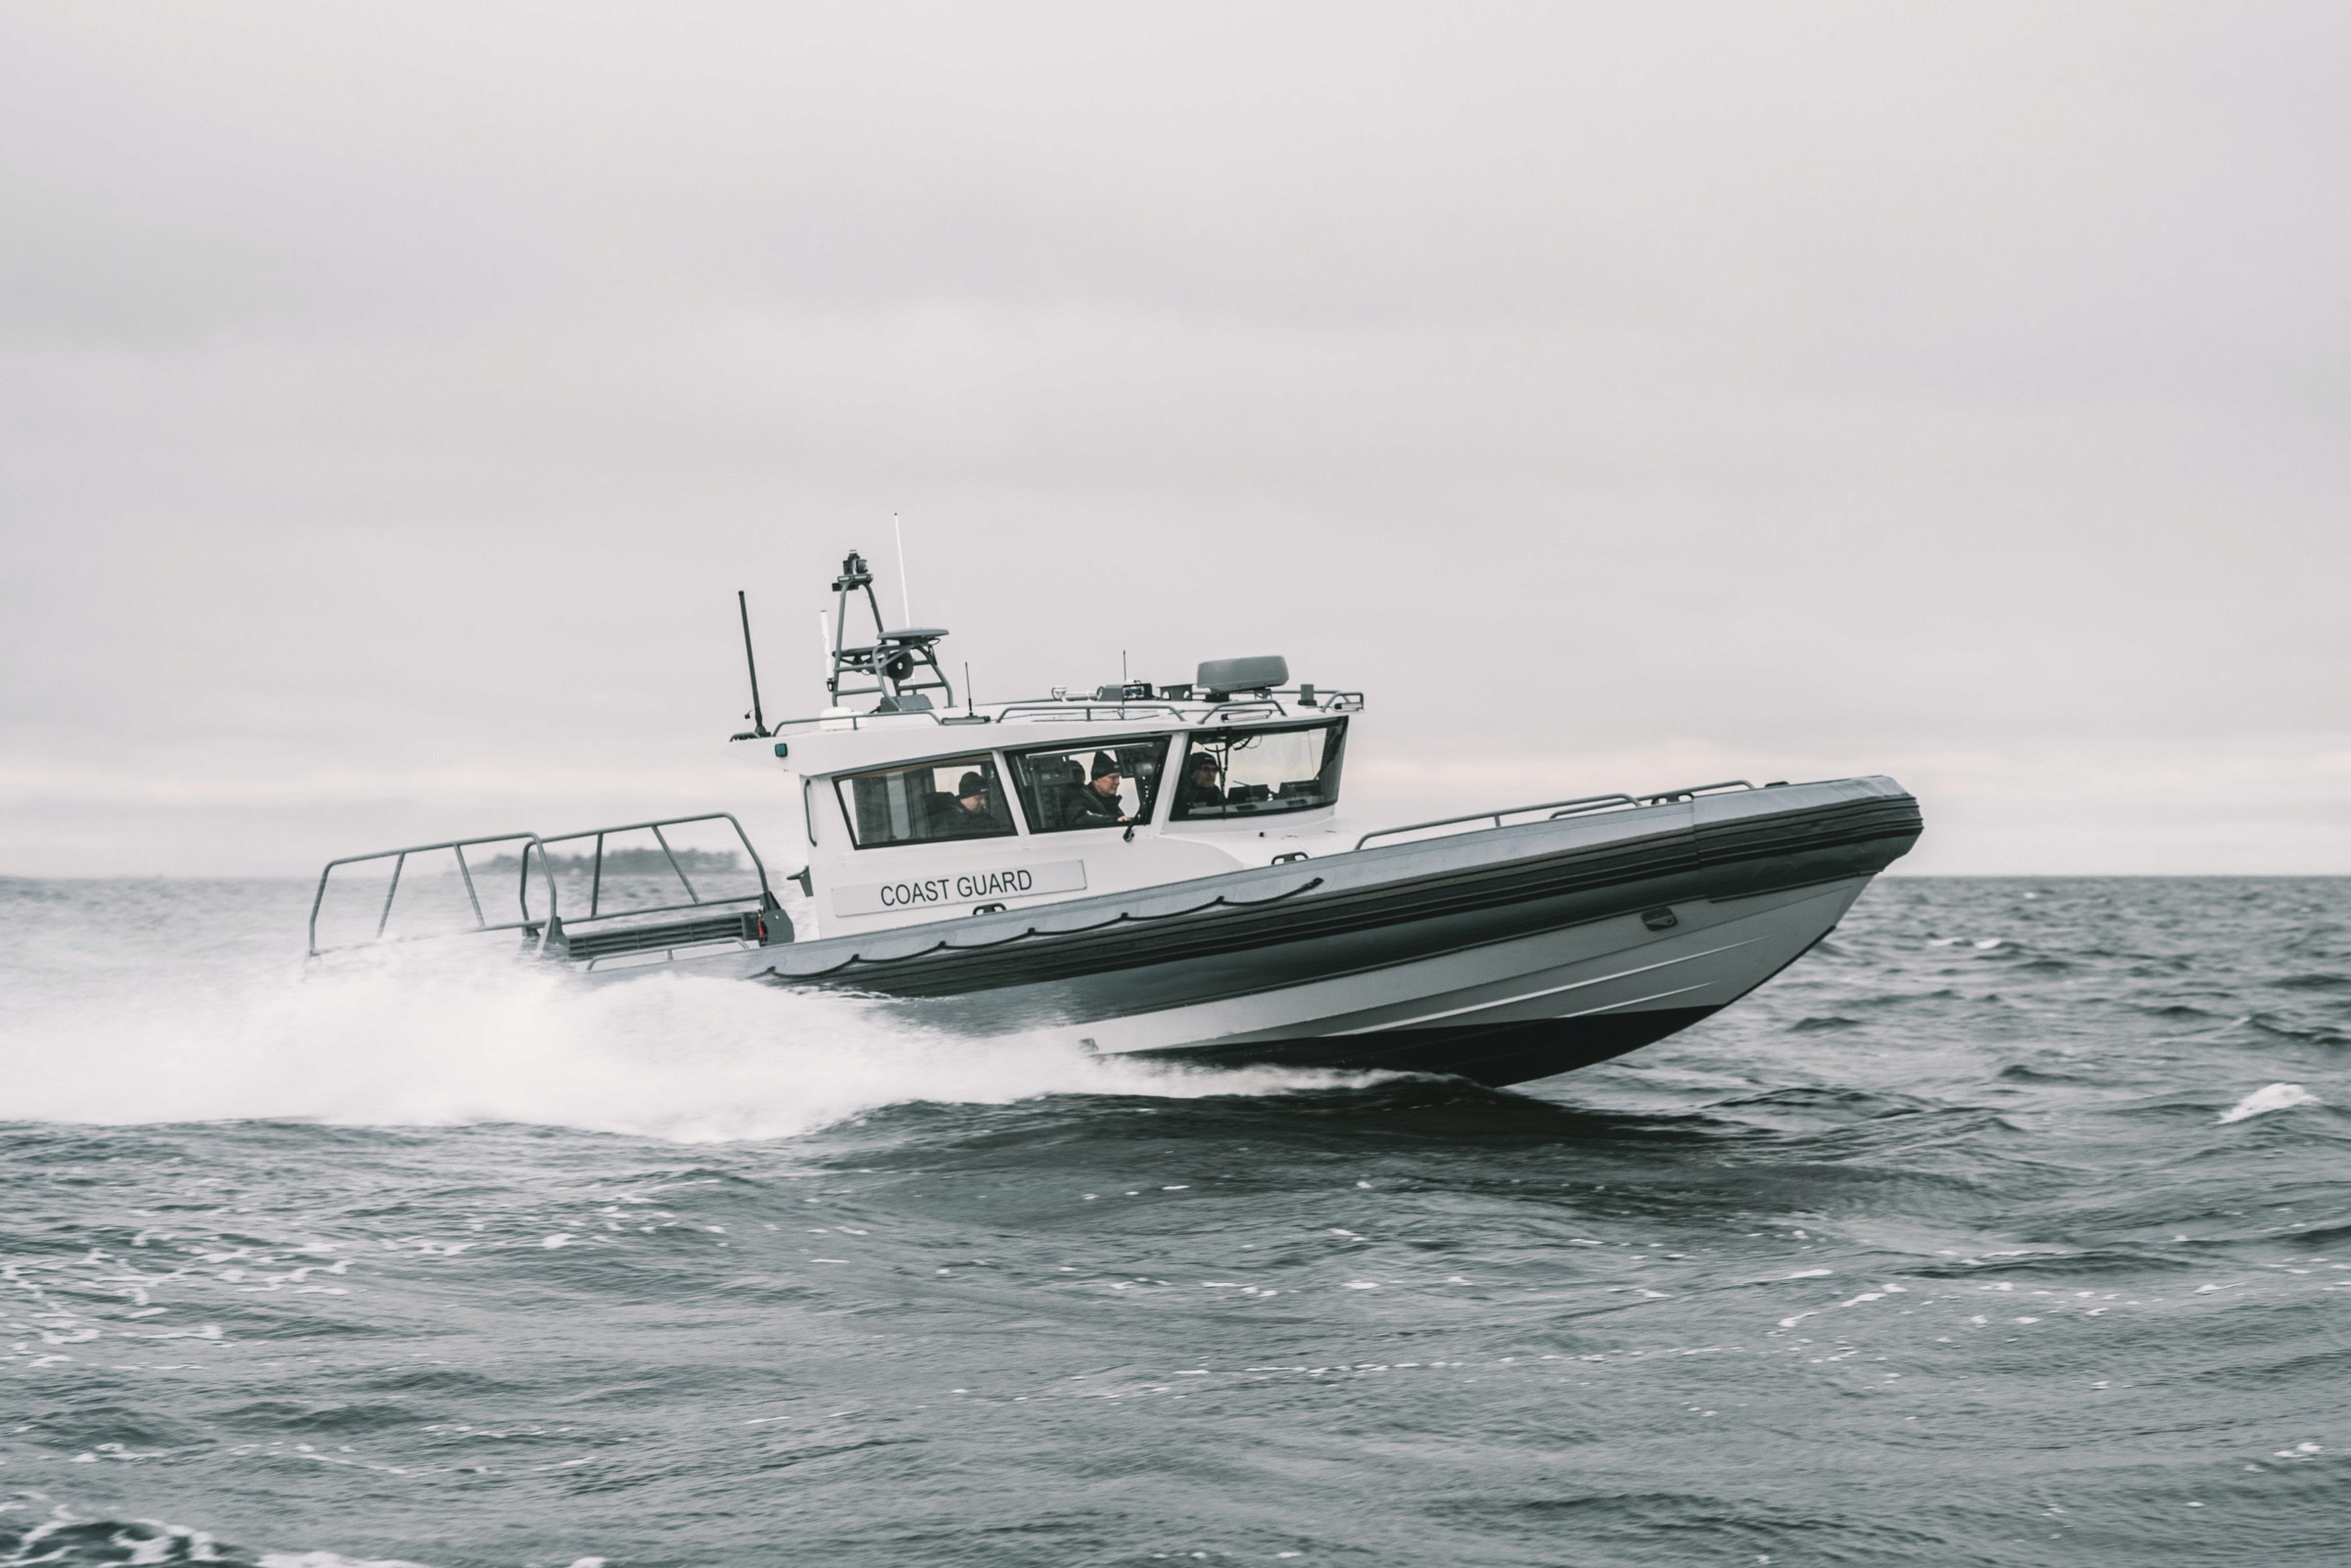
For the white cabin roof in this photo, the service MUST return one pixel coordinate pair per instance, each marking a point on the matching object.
(848, 742)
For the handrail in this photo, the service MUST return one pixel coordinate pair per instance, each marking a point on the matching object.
(695, 900)
(548, 927)
(1564, 808)
(399, 861)
(1033, 709)
(1558, 809)
(1693, 792)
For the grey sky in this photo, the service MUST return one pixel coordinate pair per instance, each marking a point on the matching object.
(392, 398)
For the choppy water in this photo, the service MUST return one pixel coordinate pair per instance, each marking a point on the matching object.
(2013, 1226)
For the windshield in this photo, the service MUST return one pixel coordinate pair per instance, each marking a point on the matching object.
(1231, 774)
(1110, 785)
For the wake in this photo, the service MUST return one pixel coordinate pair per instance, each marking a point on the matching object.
(403, 1041)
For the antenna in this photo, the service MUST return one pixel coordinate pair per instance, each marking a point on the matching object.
(743, 607)
(823, 635)
(905, 590)
(968, 698)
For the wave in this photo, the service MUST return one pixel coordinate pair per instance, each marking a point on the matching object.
(2263, 1101)
(70, 1542)
(2312, 983)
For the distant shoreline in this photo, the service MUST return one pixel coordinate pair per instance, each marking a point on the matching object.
(688, 861)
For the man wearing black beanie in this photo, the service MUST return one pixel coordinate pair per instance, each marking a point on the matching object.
(1097, 805)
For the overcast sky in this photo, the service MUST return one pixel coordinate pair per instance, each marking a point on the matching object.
(392, 399)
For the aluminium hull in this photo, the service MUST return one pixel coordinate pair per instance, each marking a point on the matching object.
(1531, 1007)
(1503, 955)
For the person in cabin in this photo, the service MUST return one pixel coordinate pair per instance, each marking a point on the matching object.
(968, 812)
(1097, 804)
(1201, 787)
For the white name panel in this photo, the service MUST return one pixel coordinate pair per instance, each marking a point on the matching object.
(960, 887)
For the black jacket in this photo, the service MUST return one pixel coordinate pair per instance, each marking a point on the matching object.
(1190, 796)
(1085, 806)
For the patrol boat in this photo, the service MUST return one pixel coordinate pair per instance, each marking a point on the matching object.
(1161, 870)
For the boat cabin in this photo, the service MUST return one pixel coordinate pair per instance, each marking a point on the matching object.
(919, 810)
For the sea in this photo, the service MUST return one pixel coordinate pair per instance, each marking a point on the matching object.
(2012, 1225)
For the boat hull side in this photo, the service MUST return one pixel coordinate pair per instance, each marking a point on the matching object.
(1343, 917)
(1515, 1010)
(1504, 956)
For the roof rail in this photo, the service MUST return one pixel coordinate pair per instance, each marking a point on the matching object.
(1040, 710)
(1188, 711)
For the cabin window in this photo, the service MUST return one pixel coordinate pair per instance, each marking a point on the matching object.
(1248, 772)
(958, 798)
(1064, 790)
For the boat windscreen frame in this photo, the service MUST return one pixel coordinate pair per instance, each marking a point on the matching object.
(1000, 820)
(1150, 781)
(1326, 776)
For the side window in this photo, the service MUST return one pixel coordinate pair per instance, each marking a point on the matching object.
(1090, 787)
(959, 798)
(1241, 773)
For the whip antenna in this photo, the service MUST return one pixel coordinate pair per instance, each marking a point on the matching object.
(906, 592)
(743, 607)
